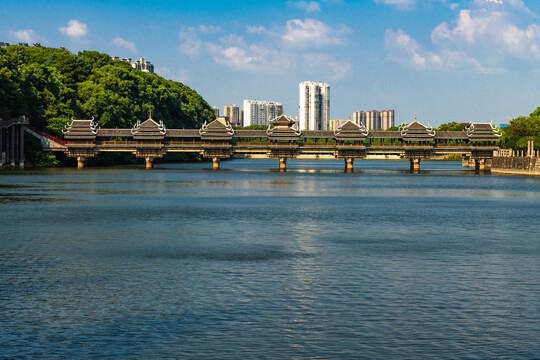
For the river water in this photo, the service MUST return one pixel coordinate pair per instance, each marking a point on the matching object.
(248, 262)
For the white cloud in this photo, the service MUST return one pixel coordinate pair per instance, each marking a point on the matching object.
(190, 43)
(336, 69)
(402, 48)
(24, 35)
(311, 32)
(209, 29)
(486, 36)
(276, 51)
(260, 30)
(400, 4)
(482, 30)
(121, 43)
(251, 58)
(74, 29)
(307, 6)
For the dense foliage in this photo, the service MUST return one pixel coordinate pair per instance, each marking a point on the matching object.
(51, 86)
(522, 129)
(452, 126)
(251, 127)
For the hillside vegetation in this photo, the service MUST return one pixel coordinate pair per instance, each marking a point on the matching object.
(522, 129)
(51, 86)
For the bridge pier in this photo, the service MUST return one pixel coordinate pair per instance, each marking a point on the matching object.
(216, 162)
(349, 164)
(12, 143)
(149, 162)
(81, 162)
(479, 165)
(1, 147)
(282, 163)
(415, 164)
(21, 147)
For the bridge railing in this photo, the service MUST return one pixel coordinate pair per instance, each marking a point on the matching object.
(184, 143)
(48, 136)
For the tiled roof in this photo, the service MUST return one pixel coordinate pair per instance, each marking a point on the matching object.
(283, 128)
(216, 130)
(350, 131)
(149, 129)
(80, 129)
(482, 132)
(416, 131)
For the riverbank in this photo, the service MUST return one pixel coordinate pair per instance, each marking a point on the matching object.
(516, 165)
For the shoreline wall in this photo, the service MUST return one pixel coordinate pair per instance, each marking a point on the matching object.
(516, 165)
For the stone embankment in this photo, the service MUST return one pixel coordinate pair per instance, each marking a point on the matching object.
(517, 162)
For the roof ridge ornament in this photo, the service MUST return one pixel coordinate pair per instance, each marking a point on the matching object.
(283, 128)
(416, 130)
(149, 127)
(350, 131)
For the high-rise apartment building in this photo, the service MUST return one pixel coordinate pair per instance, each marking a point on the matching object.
(359, 117)
(335, 123)
(387, 119)
(143, 65)
(140, 64)
(374, 119)
(234, 114)
(216, 111)
(314, 105)
(258, 112)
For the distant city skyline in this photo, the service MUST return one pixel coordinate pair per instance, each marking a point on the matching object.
(446, 60)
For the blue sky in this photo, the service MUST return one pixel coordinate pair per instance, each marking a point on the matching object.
(446, 60)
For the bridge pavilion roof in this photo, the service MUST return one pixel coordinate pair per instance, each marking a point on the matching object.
(317, 134)
(148, 130)
(350, 131)
(416, 131)
(382, 134)
(283, 128)
(482, 132)
(451, 135)
(80, 130)
(218, 129)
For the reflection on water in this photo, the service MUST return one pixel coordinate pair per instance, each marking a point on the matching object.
(249, 262)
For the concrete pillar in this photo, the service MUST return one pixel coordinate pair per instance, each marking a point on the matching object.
(21, 147)
(1, 147)
(349, 163)
(283, 163)
(12, 152)
(215, 162)
(481, 165)
(415, 164)
(149, 162)
(81, 162)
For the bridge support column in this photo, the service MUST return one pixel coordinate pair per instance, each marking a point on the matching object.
(149, 162)
(21, 147)
(480, 165)
(282, 163)
(415, 164)
(12, 143)
(349, 164)
(216, 162)
(1, 147)
(81, 162)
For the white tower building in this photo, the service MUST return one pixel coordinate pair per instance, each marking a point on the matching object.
(314, 105)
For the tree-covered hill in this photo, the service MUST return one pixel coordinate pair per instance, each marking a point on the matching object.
(522, 129)
(51, 86)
